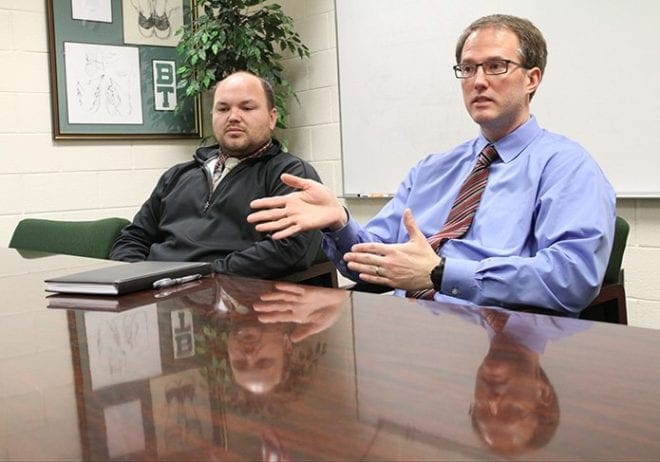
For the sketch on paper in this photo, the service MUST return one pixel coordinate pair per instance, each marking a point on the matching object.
(124, 429)
(182, 411)
(92, 10)
(123, 347)
(102, 84)
(152, 22)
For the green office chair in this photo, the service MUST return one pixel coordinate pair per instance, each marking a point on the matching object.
(610, 304)
(84, 238)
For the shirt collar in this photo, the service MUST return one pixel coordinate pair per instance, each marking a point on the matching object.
(258, 153)
(513, 144)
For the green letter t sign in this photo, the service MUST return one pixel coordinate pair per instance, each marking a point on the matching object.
(164, 85)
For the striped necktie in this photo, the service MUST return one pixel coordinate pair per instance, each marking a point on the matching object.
(220, 164)
(495, 319)
(464, 208)
(222, 168)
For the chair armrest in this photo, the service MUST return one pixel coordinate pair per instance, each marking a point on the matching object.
(369, 288)
(322, 274)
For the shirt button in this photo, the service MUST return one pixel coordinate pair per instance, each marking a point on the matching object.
(454, 291)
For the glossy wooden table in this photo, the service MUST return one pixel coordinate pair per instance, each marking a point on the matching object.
(314, 374)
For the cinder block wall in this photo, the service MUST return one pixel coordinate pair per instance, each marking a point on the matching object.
(65, 179)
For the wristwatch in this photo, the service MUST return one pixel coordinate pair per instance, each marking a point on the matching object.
(436, 275)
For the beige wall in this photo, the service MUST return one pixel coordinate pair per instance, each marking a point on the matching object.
(64, 179)
(82, 180)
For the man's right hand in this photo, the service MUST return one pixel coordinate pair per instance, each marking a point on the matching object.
(314, 206)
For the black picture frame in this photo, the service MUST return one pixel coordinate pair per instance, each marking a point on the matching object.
(113, 73)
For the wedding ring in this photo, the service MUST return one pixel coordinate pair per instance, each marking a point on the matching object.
(378, 271)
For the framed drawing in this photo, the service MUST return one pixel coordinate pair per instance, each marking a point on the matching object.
(139, 392)
(114, 356)
(113, 70)
(122, 347)
(183, 421)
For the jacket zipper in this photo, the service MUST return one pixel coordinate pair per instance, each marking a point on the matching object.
(209, 177)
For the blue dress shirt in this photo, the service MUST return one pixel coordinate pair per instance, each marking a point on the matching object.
(542, 235)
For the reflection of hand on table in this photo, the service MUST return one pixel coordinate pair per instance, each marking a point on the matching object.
(314, 309)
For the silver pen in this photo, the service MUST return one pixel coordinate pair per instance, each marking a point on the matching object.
(168, 282)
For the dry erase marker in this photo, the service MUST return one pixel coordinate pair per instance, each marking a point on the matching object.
(168, 282)
(373, 195)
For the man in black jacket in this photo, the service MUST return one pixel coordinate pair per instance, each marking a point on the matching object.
(198, 209)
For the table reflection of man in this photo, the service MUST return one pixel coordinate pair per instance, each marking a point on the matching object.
(258, 355)
(255, 355)
(259, 350)
(256, 342)
(255, 326)
(515, 405)
(515, 408)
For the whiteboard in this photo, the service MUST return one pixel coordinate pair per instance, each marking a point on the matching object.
(399, 99)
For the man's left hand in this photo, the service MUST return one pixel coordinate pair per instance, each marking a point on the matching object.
(403, 266)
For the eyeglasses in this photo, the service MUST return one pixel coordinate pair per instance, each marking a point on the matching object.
(491, 67)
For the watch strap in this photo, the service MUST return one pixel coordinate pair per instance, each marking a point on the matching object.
(436, 275)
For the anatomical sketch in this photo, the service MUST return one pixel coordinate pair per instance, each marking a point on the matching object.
(122, 347)
(102, 84)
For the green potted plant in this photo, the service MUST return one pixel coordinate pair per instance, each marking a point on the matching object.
(230, 35)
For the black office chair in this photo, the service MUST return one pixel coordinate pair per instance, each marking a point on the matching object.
(322, 273)
(610, 303)
(84, 238)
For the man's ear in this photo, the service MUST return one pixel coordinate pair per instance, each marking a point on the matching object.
(272, 119)
(545, 393)
(534, 77)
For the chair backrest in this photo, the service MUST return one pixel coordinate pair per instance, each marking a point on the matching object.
(621, 230)
(610, 303)
(84, 238)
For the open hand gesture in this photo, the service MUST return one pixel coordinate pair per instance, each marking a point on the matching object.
(312, 207)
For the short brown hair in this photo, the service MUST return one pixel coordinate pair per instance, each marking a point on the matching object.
(547, 418)
(533, 49)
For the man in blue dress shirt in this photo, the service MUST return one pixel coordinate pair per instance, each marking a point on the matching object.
(544, 227)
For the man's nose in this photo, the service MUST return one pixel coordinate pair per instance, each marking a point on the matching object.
(480, 78)
(250, 349)
(493, 405)
(234, 114)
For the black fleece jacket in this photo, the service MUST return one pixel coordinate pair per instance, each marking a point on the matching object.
(184, 220)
